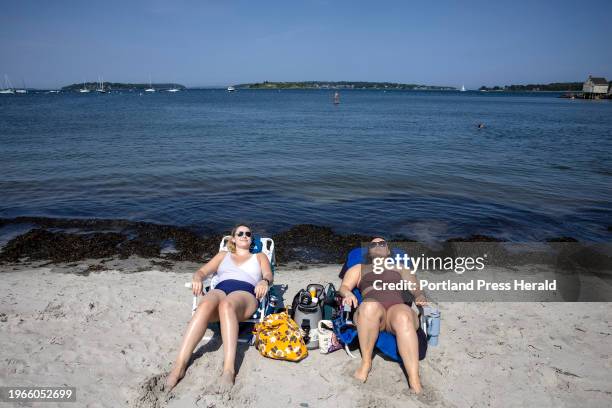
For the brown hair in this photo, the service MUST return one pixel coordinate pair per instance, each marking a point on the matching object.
(231, 246)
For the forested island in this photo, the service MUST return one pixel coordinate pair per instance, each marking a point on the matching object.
(552, 87)
(342, 85)
(116, 86)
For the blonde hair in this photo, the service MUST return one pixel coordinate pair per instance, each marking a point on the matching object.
(231, 246)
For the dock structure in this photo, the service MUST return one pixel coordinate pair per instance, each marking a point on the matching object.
(596, 88)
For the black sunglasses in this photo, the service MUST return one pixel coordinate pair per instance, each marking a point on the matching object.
(241, 233)
(381, 244)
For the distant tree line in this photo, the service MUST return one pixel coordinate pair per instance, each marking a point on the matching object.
(339, 85)
(119, 86)
(555, 86)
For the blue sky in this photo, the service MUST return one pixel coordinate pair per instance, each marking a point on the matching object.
(200, 43)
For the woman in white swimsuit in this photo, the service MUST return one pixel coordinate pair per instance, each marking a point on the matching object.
(243, 278)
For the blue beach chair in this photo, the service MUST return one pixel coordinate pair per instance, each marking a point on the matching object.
(265, 245)
(386, 342)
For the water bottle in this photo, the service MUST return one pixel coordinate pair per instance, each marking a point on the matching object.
(272, 304)
(313, 296)
(273, 301)
(346, 313)
(433, 326)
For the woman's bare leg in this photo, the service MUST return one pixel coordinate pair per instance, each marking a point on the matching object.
(369, 319)
(205, 313)
(235, 307)
(403, 322)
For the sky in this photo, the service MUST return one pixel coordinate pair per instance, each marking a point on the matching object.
(49, 44)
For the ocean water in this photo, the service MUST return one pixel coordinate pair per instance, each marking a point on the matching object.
(409, 163)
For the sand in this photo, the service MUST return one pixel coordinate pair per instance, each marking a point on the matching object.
(114, 332)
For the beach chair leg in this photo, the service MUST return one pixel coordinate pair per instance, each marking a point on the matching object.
(194, 305)
(348, 351)
(422, 320)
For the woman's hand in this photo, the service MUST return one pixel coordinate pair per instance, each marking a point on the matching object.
(196, 284)
(350, 299)
(420, 300)
(261, 289)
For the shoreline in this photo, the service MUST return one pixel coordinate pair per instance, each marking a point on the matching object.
(73, 239)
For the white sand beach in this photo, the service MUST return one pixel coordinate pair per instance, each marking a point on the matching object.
(114, 333)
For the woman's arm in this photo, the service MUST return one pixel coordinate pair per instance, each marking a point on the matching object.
(267, 277)
(266, 268)
(350, 282)
(419, 296)
(209, 267)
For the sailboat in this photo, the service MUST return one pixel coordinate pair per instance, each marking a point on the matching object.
(462, 88)
(173, 88)
(83, 89)
(150, 88)
(8, 87)
(100, 86)
(230, 89)
(23, 90)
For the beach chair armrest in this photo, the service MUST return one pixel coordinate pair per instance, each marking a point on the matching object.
(422, 319)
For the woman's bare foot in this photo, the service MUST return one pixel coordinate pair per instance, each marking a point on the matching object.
(175, 376)
(226, 381)
(415, 385)
(362, 372)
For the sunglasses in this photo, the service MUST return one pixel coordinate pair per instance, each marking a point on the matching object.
(381, 244)
(241, 233)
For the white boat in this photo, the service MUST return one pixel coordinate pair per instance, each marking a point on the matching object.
(173, 89)
(23, 90)
(230, 89)
(150, 88)
(8, 87)
(53, 91)
(100, 86)
(462, 88)
(83, 89)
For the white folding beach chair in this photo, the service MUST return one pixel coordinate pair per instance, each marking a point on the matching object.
(265, 245)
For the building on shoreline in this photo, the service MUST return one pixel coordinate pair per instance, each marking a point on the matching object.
(595, 87)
